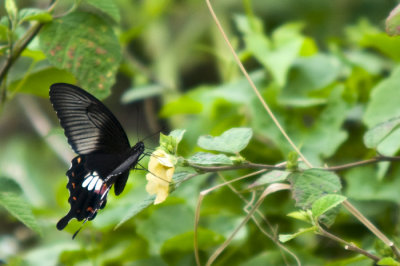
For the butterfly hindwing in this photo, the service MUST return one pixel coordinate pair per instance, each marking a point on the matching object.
(88, 192)
(88, 124)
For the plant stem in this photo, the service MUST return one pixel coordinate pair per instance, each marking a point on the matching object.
(253, 86)
(18, 48)
(16, 51)
(250, 165)
(371, 227)
(348, 246)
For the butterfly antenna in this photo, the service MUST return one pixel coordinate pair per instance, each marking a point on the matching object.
(138, 111)
(147, 170)
(77, 231)
(152, 135)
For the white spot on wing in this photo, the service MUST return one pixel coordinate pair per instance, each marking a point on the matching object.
(87, 180)
(98, 185)
(93, 183)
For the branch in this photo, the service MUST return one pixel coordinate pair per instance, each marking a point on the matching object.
(236, 167)
(348, 246)
(249, 165)
(18, 48)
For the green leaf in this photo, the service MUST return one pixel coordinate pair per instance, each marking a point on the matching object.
(277, 54)
(36, 55)
(140, 93)
(384, 100)
(306, 77)
(184, 242)
(164, 224)
(29, 14)
(12, 199)
(270, 177)
(327, 132)
(106, 6)
(170, 143)
(312, 184)
(203, 158)
(183, 105)
(393, 22)
(383, 106)
(177, 134)
(388, 261)
(379, 132)
(38, 83)
(287, 237)
(363, 184)
(3, 33)
(231, 141)
(86, 46)
(12, 10)
(136, 208)
(301, 215)
(326, 203)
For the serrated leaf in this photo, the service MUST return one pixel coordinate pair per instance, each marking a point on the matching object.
(38, 83)
(326, 203)
(28, 14)
(106, 6)
(388, 261)
(393, 22)
(231, 141)
(136, 208)
(378, 133)
(86, 46)
(310, 185)
(140, 93)
(286, 237)
(204, 158)
(11, 198)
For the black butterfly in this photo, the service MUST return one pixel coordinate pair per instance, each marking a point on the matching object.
(105, 155)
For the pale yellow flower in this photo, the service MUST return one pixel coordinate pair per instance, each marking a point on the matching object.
(161, 170)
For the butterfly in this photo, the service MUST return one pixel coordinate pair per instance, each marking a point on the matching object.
(105, 156)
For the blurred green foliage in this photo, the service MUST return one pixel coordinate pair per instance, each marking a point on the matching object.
(327, 69)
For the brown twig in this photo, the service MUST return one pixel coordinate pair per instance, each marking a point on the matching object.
(249, 165)
(236, 167)
(347, 245)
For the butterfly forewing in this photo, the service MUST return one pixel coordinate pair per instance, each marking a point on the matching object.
(88, 125)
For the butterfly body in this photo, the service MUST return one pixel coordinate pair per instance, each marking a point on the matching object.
(105, 155)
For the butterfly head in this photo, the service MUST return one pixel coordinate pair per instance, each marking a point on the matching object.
(137, 149)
